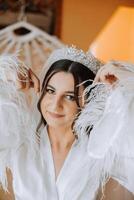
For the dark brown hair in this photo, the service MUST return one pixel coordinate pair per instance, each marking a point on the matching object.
(81, 74)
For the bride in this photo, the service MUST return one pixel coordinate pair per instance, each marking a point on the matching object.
(70, 156)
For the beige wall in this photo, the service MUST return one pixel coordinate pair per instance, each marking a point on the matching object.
(82, 20)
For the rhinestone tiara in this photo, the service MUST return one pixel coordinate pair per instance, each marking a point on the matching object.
(77, 55)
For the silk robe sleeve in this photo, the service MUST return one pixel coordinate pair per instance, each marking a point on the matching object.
(110, 146)
(16, 121)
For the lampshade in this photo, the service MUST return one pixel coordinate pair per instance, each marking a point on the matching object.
(116, 40)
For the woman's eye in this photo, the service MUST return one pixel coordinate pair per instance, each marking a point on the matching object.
(70, 97)
(50, 91)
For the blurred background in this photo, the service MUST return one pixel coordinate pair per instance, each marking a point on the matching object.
(36, 27)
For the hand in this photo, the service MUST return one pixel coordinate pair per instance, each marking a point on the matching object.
(31, 81)
(113, 72)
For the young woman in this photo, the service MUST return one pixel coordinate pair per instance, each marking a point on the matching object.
(60, 165)
(49, 172)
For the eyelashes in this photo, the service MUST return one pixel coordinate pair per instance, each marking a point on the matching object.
(70, 97)
(50, 91)
(66, 96)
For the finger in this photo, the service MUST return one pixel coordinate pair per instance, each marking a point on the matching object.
(21, 82)
(97, 77)
(111, 78)
(35, 82)
(27, 83)
(105, 75)
(31, 84)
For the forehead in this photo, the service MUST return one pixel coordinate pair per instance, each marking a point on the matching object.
(62, 81)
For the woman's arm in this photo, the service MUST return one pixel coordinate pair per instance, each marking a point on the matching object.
(15, 114)
(114, 71)
(13, 70)
(10, 194)
(114, 191)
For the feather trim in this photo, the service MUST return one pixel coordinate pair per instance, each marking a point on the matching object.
(17, 124)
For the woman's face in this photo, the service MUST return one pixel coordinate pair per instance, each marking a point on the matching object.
(58, 105)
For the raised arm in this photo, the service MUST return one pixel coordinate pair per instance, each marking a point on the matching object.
(16, 125)
(111, 117)
(114, 71)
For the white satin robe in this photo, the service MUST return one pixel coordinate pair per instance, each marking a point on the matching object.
(35, 179)
(33, 171)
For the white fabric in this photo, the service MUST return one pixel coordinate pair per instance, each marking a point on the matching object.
(35, 178)
(88, 164)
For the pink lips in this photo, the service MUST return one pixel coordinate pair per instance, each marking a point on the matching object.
(55, 115)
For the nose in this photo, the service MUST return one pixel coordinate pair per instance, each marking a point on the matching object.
(57, 102)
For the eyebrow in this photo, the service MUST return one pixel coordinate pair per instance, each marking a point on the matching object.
(68, 92)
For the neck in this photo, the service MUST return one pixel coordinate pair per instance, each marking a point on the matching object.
(61, 137)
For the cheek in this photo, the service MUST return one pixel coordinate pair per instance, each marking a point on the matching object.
(72, 110)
